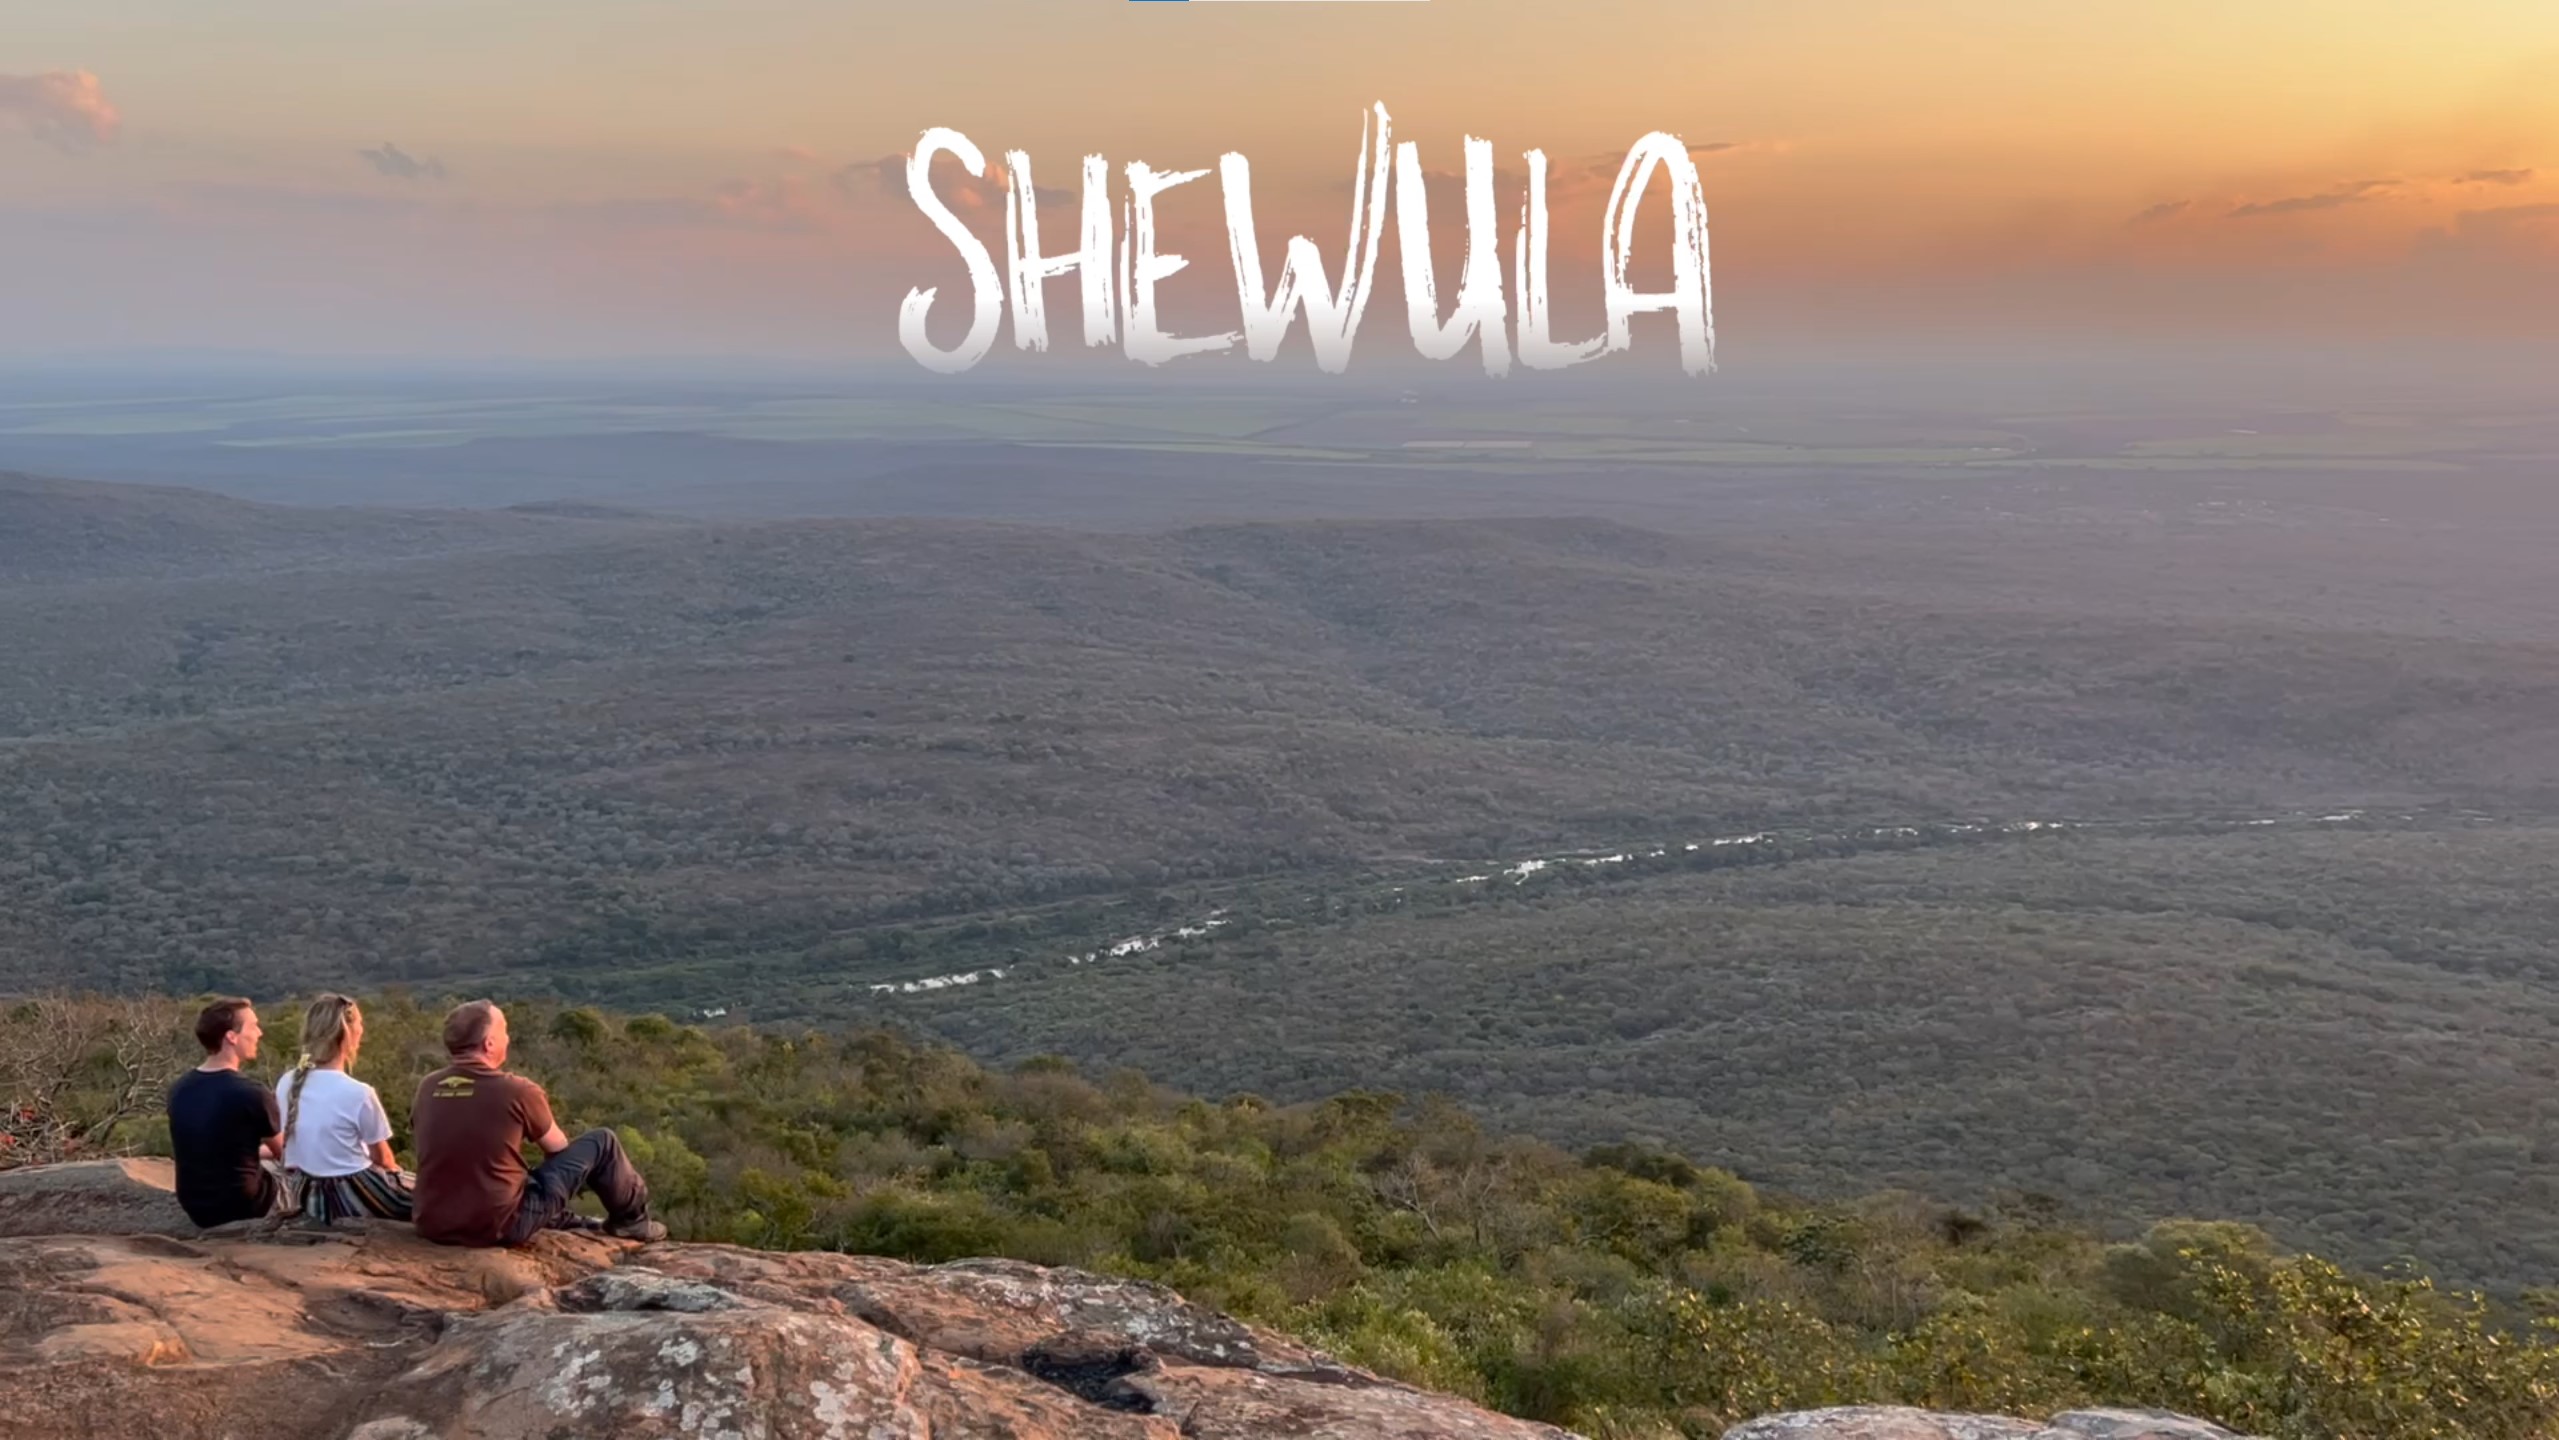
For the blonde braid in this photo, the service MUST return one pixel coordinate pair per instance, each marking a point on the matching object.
(293, 1101)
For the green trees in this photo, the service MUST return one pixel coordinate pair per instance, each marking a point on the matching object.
(1632, 1293)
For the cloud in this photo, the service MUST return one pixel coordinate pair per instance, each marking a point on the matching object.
(2510, 234)
(63, 108)
(1743, 147)
(399, 164)
(2354, 194)
(2161, 211)
(2505, 216)
(797, 154)
(886, 177)
(784, 204)
(865, 178)
(1605, 166)
(2494, 177)
(1572, 176)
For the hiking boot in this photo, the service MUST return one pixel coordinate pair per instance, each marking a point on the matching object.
(647, 1232)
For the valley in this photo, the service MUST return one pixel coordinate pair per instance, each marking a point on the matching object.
(2165, 844)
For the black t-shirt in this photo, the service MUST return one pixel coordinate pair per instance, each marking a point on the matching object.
(217, 1120)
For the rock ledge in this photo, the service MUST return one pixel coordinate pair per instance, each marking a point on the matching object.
(120, 1318)
(118, 1310)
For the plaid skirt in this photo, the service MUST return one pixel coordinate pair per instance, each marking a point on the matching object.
(381, 1194)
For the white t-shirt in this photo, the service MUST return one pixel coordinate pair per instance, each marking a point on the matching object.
(335, 1120)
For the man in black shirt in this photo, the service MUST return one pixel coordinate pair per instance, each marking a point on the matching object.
(222, 1123)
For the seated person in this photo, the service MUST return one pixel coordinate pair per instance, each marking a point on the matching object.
(222, 1124)
(471, 1123)
(337, 1138)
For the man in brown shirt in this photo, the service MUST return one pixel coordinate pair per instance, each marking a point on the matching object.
(471, 1123)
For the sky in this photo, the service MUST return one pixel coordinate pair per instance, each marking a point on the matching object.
(684, 177)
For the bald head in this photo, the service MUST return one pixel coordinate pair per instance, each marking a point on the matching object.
(476, 1031)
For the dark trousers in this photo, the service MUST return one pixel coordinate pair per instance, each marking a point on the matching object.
(593, 1161)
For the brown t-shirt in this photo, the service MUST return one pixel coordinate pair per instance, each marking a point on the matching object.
(470, 1125)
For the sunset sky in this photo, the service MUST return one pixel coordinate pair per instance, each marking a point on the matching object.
(677, 177)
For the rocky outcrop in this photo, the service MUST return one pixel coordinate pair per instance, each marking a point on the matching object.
(92, 1197)
(372, 1334)
(1894, 1422)
(117, 1320)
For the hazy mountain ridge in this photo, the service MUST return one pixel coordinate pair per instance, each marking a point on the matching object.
(69, 531)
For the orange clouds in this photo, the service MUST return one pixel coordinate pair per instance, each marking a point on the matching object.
(2352, 193)
(64, 108)
(2383, 210)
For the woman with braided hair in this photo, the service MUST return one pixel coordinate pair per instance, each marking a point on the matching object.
(337, 1138)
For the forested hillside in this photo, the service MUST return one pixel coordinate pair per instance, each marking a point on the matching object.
(2343, 1027)
(714, 742)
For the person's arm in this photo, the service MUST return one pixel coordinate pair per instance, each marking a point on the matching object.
(538, 1124)
(273, 1146)
(377, 1132)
